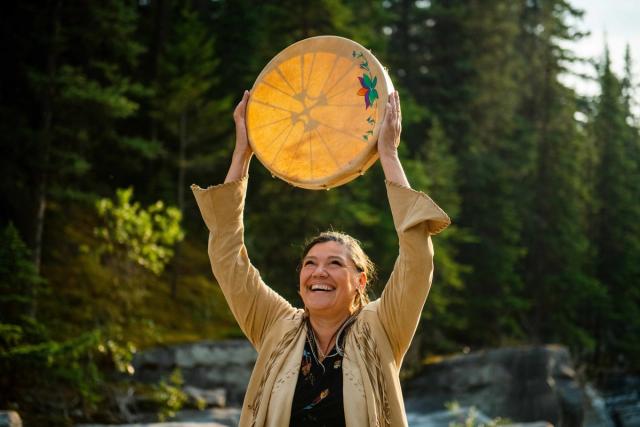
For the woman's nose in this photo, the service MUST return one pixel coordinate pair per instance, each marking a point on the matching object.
(319, 271)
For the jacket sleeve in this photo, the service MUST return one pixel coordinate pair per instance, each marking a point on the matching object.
(254, 305)
(416, 217)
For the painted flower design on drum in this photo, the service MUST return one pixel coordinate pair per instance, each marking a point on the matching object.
(368, 89)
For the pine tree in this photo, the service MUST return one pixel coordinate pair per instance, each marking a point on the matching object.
(617, 230)
(34, 367)
(187, 100)
(187, 95)
(458, 62)
(18, 281)
(556, 268)
(629, 87)
(77, 88)
(435, 171)
(491, 169)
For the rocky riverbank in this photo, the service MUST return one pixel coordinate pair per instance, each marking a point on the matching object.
(209, 365)
(535, 385)
(526, 384)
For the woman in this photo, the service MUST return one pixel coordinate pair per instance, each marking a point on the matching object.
(335, 362)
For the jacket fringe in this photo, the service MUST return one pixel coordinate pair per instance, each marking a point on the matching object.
(367, 346)
(284, 343)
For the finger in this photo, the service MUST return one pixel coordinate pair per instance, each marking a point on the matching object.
(388, 111)
(392, 116)
(399, 113)
(394, 110)
(394, 104)
(245, 101)
(398, 122)
(240, 109)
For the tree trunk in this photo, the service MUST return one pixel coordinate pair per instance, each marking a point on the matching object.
(45, 150)
(542, 182)
(41, 195)
(182, 166)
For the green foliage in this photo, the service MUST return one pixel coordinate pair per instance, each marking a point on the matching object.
(85, 99)
(617, 231)
(468, 83)
(187, 69)
(188, 98)
(140, 301)
(131, 249)
(169, 396)
(19, 281)
(116, 346)
(556, 267)
(434, 170)
(131, 234)
(129, 241)
(34, 368)
(471, 419)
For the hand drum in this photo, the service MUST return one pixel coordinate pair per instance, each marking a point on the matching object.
(315, 112)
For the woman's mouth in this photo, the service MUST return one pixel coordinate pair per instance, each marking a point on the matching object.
(321, 287)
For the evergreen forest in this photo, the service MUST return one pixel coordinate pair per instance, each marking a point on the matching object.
(109, 110)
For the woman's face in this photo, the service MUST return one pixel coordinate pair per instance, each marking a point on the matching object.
(329, 280)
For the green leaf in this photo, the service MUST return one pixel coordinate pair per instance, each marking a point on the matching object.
(367, 80)
(373, 95)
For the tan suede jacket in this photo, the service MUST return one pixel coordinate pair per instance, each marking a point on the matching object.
(375, 344)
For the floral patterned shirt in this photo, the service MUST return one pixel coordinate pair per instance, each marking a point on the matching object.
(317, 401)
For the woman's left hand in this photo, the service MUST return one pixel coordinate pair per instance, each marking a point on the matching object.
(389, 137)
(388, 141)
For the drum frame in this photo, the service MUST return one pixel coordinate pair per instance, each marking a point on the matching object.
(356, 166)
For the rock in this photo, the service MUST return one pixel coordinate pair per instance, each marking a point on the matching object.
(210, 398)
(10, 419)
(216, 417)
(526, 384)
(621, 394)
(535, 424)
(225, 416)
(169, 424)
(205, 365)
(458, 416)
(596, 410)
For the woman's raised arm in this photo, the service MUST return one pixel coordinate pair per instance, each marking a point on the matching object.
(415, 217)
(254, 305)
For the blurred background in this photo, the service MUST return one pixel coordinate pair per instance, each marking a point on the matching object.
(518, 123)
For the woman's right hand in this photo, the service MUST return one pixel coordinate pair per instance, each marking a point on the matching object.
(242, 140)
(242, 152)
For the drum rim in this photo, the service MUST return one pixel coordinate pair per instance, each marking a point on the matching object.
(359, 164)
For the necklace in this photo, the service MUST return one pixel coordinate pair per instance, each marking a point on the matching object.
(311, 338)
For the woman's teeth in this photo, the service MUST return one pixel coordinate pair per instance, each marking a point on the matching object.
(324, 288)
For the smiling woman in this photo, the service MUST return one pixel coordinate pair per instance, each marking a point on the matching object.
(345, 251)
(335, 362)
(330, 281)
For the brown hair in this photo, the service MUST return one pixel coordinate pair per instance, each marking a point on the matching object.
(360, 259)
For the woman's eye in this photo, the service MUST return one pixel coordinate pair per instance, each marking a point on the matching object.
(306, 263)
(336, 263)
